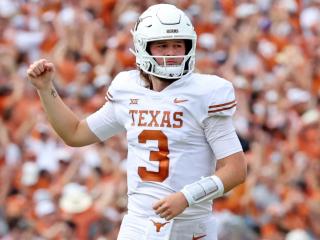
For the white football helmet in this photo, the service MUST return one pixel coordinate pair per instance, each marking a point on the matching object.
(163, 22)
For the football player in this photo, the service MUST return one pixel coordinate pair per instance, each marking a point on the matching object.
(183, 151)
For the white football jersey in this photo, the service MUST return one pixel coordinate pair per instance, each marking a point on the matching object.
(167, 145)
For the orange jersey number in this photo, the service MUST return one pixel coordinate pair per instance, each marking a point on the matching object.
(161, 156)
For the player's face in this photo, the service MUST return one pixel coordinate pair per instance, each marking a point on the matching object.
(169, 48)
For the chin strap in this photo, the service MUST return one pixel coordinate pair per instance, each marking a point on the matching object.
(207, 188)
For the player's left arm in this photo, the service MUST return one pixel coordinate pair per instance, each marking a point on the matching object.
(231, 169)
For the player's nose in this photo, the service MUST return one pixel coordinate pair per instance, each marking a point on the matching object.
(170, 50)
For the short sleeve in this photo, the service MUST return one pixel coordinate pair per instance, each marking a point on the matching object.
(221, 136)
(222, 102)
(103, 123)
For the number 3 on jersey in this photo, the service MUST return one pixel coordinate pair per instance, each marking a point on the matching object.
(161, 156)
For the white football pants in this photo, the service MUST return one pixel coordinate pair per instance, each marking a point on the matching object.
(139, 228)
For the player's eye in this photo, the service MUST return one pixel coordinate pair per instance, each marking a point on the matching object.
(178, 46)
(162, 46)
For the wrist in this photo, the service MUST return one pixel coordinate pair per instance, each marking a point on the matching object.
(47, 88)
(207, 188)
(185, 203)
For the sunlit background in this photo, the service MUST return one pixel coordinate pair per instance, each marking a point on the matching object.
(268, 49)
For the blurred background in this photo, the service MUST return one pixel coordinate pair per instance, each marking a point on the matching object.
(269, 50)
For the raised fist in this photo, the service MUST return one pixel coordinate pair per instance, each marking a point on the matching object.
(41, 74)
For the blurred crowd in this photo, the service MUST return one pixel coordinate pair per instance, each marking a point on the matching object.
(269, 50)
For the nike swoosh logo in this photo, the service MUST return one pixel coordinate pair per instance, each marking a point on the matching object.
(198, 237)
(176, 100)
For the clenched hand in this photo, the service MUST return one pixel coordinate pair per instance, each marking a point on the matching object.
(41, 74)
(171, 206)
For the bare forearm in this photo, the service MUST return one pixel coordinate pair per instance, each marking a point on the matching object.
(62, 119)
(232, 171)
(74, 132)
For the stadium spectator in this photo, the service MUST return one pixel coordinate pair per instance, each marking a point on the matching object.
(277, 40)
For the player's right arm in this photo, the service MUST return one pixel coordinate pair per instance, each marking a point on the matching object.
(68, 126)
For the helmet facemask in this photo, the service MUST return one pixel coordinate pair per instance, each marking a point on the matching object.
(164, 22)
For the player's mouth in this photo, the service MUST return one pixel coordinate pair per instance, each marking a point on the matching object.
(172, 61)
